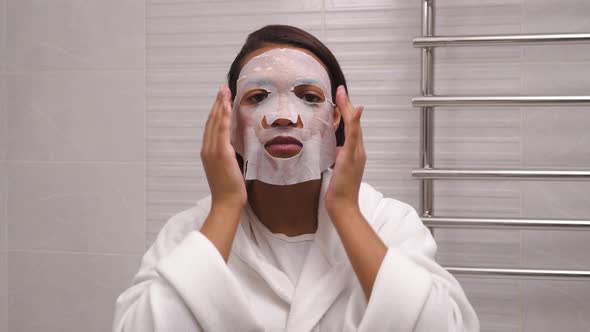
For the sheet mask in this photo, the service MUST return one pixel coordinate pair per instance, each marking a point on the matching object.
(278, 72)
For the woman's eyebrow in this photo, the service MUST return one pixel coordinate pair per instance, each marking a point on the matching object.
(308, 81)
(258, 82)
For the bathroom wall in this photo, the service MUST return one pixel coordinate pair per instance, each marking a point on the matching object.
(191, 44)
(529, 137)
(72, 161)
(102, 108)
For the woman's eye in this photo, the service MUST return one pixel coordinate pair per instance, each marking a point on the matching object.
(258, 97)
(311, 98)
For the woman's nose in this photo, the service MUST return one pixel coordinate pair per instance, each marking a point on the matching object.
(282, 122)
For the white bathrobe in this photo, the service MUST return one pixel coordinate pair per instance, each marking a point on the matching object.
(184, 284)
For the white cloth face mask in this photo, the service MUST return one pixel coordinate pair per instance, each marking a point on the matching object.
(283, 105)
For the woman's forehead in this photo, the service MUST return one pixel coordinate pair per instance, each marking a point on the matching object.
(270, 46)
(283, 65)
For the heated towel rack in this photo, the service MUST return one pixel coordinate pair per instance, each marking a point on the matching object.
(427, 173)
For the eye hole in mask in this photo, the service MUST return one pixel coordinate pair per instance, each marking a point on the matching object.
(254, 97)
(309, 93)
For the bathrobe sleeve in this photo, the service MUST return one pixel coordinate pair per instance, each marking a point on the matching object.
(411, 293)
(183, 284)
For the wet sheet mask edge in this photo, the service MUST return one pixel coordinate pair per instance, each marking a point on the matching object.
(280, 71)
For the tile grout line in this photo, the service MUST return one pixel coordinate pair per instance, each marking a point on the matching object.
(520, 285)
(4, 169)
(145, 124)
(90, 162)
(71, 252)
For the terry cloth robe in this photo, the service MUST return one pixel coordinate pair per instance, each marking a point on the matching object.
(184, 284)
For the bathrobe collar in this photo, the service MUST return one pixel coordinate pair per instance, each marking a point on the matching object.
(324, 275)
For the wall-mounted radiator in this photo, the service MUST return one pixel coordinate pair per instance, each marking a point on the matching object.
(427, 172)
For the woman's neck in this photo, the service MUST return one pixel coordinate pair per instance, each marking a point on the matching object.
(291, 210)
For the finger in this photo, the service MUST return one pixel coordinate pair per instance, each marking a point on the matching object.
(225, 121)
(358, 113)
(210, 140)
(344, 104)
(207, 131)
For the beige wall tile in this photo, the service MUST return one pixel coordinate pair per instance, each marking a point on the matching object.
(3, 120)
(3, 212)
(83, 207)
(75, 34)
(3, 292)
(76, 116)
(497, 302)
(55, 292)
(556, 306)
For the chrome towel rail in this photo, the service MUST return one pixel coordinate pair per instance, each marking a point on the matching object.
(426, 172)
(485, 40)
(445, 101)
(500, 174)
(520, 273)
(499, 223)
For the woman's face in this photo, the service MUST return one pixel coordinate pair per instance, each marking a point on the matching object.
(283, 116)
(294, 75)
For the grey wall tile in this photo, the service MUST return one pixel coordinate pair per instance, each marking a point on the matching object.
(478, 247)
(197, 35)
(3, 292)
(556, 199)
(89, 207)
(556, 249)
(548, 16)
(3, 212)
(3, 120)
(2, 35)
(65, 292)
(460, 17)
(75, 115)
(497, 302)
(74, 34)
(557, 53)
(556, 306)
(556, 137)
(477, 137)
(368, 37)
(477, 77)
(477, 198)
(555, 78)
(355, 5)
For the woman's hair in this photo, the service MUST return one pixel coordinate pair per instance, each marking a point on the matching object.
(285, 34)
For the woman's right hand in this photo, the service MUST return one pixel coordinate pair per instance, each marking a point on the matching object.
(228, 190)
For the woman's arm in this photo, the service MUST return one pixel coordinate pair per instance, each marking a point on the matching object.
(363, 246)
(228, 191)
(404, 288)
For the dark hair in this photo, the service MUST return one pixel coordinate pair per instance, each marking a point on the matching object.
(286, 34)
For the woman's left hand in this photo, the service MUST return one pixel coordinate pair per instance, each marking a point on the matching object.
(343, 190)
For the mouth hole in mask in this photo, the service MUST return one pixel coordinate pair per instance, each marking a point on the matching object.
(283, 147)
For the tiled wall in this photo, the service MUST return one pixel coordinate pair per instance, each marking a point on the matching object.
(103, 105)
(191, 44)
(72, 161)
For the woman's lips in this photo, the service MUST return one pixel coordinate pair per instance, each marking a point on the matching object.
(283, 147)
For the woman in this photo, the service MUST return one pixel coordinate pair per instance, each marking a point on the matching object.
(285, 242)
